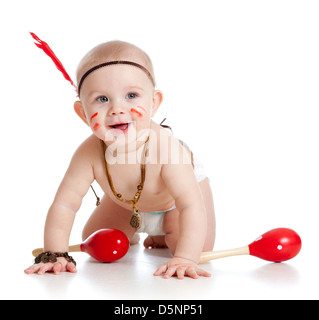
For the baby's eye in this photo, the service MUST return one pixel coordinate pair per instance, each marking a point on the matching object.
(131, 95)
(102, 99)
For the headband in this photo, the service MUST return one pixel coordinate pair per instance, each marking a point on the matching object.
(45, 47)
(113, 63)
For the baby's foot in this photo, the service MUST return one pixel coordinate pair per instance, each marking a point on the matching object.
(155, 242)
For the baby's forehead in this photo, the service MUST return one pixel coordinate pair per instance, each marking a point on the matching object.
(119, 74)
(111, 51)
(116, 78)
(114, 53)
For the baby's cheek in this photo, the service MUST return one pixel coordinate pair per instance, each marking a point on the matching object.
(138, 113)
(99, 131)
(96, 126)
(94, 115)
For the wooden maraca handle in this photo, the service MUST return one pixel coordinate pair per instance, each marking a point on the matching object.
(76, 248)
(213, 255)
(205, 256)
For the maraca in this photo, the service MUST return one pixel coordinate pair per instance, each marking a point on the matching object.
(105, 245)
(276, 245)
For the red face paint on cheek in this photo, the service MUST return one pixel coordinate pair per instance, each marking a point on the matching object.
(139, 114)
(96, 126)
(141, 108)
(94, 115)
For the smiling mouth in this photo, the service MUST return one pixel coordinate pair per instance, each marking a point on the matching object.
(121, 126)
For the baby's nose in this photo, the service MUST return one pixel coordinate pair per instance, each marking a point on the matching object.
(117, 108)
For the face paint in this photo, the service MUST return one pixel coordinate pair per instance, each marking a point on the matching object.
(94, 115)
(141, 108)
(139, 114)
(96, 126)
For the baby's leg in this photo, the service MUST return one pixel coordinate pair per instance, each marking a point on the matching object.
(109, 215)
(155, 242)
(171, 221)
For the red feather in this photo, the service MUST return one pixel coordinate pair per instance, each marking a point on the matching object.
(45, 47)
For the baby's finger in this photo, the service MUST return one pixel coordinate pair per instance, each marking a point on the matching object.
(203, 273)
(71, 267)
(33, 269)
(57, 267)
(47, 267)
(191, 272)
(170, 272)
(180, 272)
(162, 269)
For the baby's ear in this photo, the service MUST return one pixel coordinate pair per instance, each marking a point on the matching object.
(78, 107)
(157, 100)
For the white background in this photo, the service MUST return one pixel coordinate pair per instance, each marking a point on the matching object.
(240, 82)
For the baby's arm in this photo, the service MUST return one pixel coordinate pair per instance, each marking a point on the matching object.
(67, 202)
(183, 187)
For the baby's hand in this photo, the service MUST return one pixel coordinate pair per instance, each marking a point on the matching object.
(62, 265)
(181, 267)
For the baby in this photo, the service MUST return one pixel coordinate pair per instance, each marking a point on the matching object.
(151, 182)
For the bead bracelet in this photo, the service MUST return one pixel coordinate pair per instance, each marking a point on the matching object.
(48, 256)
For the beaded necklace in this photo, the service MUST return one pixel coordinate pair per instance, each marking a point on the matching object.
(136, 219)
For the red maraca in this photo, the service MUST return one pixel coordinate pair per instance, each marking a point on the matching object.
(277, 245)
(105, 245)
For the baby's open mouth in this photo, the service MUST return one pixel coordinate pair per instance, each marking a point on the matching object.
(120, 126)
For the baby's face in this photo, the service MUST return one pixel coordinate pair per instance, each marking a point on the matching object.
(118, 101)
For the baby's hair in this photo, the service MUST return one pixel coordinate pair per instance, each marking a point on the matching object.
(114, 51)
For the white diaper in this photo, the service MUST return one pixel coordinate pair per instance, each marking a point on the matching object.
(152, 222)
